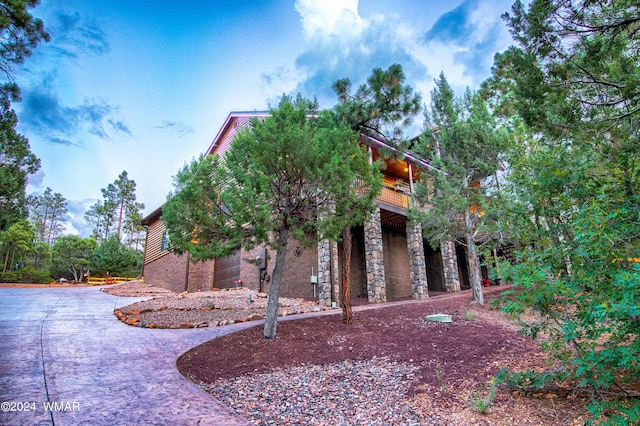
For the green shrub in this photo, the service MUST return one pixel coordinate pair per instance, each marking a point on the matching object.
(10, 277)
(27, 275)
(35, 276)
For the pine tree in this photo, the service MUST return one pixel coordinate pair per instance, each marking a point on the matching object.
(462, 140)
(382, 109)
(298, 173)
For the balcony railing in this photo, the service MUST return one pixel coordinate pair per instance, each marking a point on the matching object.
(394, 198)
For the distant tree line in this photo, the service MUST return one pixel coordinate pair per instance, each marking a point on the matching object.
(36, 248)
(118, 213)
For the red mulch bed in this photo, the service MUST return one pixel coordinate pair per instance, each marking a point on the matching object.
(398, 332)
(453, 357)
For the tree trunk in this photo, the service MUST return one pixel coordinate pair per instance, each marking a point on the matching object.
(6, 259)
(12, 266)
(75, 274)
(271, 320)
(44, 223)
(473, 261)
(120, 218)
(347, 314)
(53, 216)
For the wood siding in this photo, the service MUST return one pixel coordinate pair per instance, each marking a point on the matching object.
(153, 245)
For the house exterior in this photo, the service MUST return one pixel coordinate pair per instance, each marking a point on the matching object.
(390, 258)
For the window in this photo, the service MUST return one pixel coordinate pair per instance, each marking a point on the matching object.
(164, 245)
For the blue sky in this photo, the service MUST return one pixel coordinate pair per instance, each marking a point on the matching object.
(144, 86)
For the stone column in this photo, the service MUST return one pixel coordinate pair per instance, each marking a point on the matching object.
(324, 273)
(417, 263)
(374, 259)
(450, 265)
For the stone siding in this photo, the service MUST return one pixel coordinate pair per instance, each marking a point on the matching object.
(450, 266)
(324, 272)
(374, 259)
(418, 268)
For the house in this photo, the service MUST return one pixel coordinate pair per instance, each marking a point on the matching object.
(390, 258)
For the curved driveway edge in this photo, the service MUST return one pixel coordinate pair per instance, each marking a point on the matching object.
(66, 360)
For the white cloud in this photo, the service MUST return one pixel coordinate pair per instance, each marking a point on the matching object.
(485, 17)
(321, 18)
(341, 43)
(35, 180)
(76, 224)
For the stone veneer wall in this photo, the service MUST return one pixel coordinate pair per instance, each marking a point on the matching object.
(324, 272)
(374, 259)
(417, 264)
(450, 265)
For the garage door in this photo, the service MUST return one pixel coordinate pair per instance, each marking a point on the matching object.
(226, 270)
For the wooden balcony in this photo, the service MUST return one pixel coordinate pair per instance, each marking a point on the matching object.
(394, 198)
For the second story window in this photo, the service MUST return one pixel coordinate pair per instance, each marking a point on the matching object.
(164, 245)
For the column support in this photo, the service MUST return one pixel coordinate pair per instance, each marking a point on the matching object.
(450, 265)
(417, 263)
(376, 287)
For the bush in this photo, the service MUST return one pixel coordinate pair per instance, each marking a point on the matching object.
(27, 275)
(10, 277)
(36, 276)
(114, 257)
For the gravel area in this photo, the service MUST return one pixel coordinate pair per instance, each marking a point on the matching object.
(353, 392)
(166, 309)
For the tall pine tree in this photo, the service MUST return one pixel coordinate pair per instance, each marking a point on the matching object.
(462, 140)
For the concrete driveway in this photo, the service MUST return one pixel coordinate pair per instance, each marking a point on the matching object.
(66, 360)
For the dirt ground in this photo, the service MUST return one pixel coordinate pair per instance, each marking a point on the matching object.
(456, 360)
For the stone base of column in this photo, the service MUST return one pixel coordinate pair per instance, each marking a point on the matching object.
(417, 263)
(324, 273)
(450, 265)
(376, 287)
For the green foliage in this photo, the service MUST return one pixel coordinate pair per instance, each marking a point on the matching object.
(528, 380)
(382, 108)
(570, 203)
(482, 403)
(297, 169)
(464, 143)
(442, 382)
(298, 173)
(28, 275)
(16, 162)
(118, 211)
(20, 33)
(116, 259)
(72, 256)
(17, 241)
(40, 255)
(47, 213)
(379, 109)
(11, 277)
